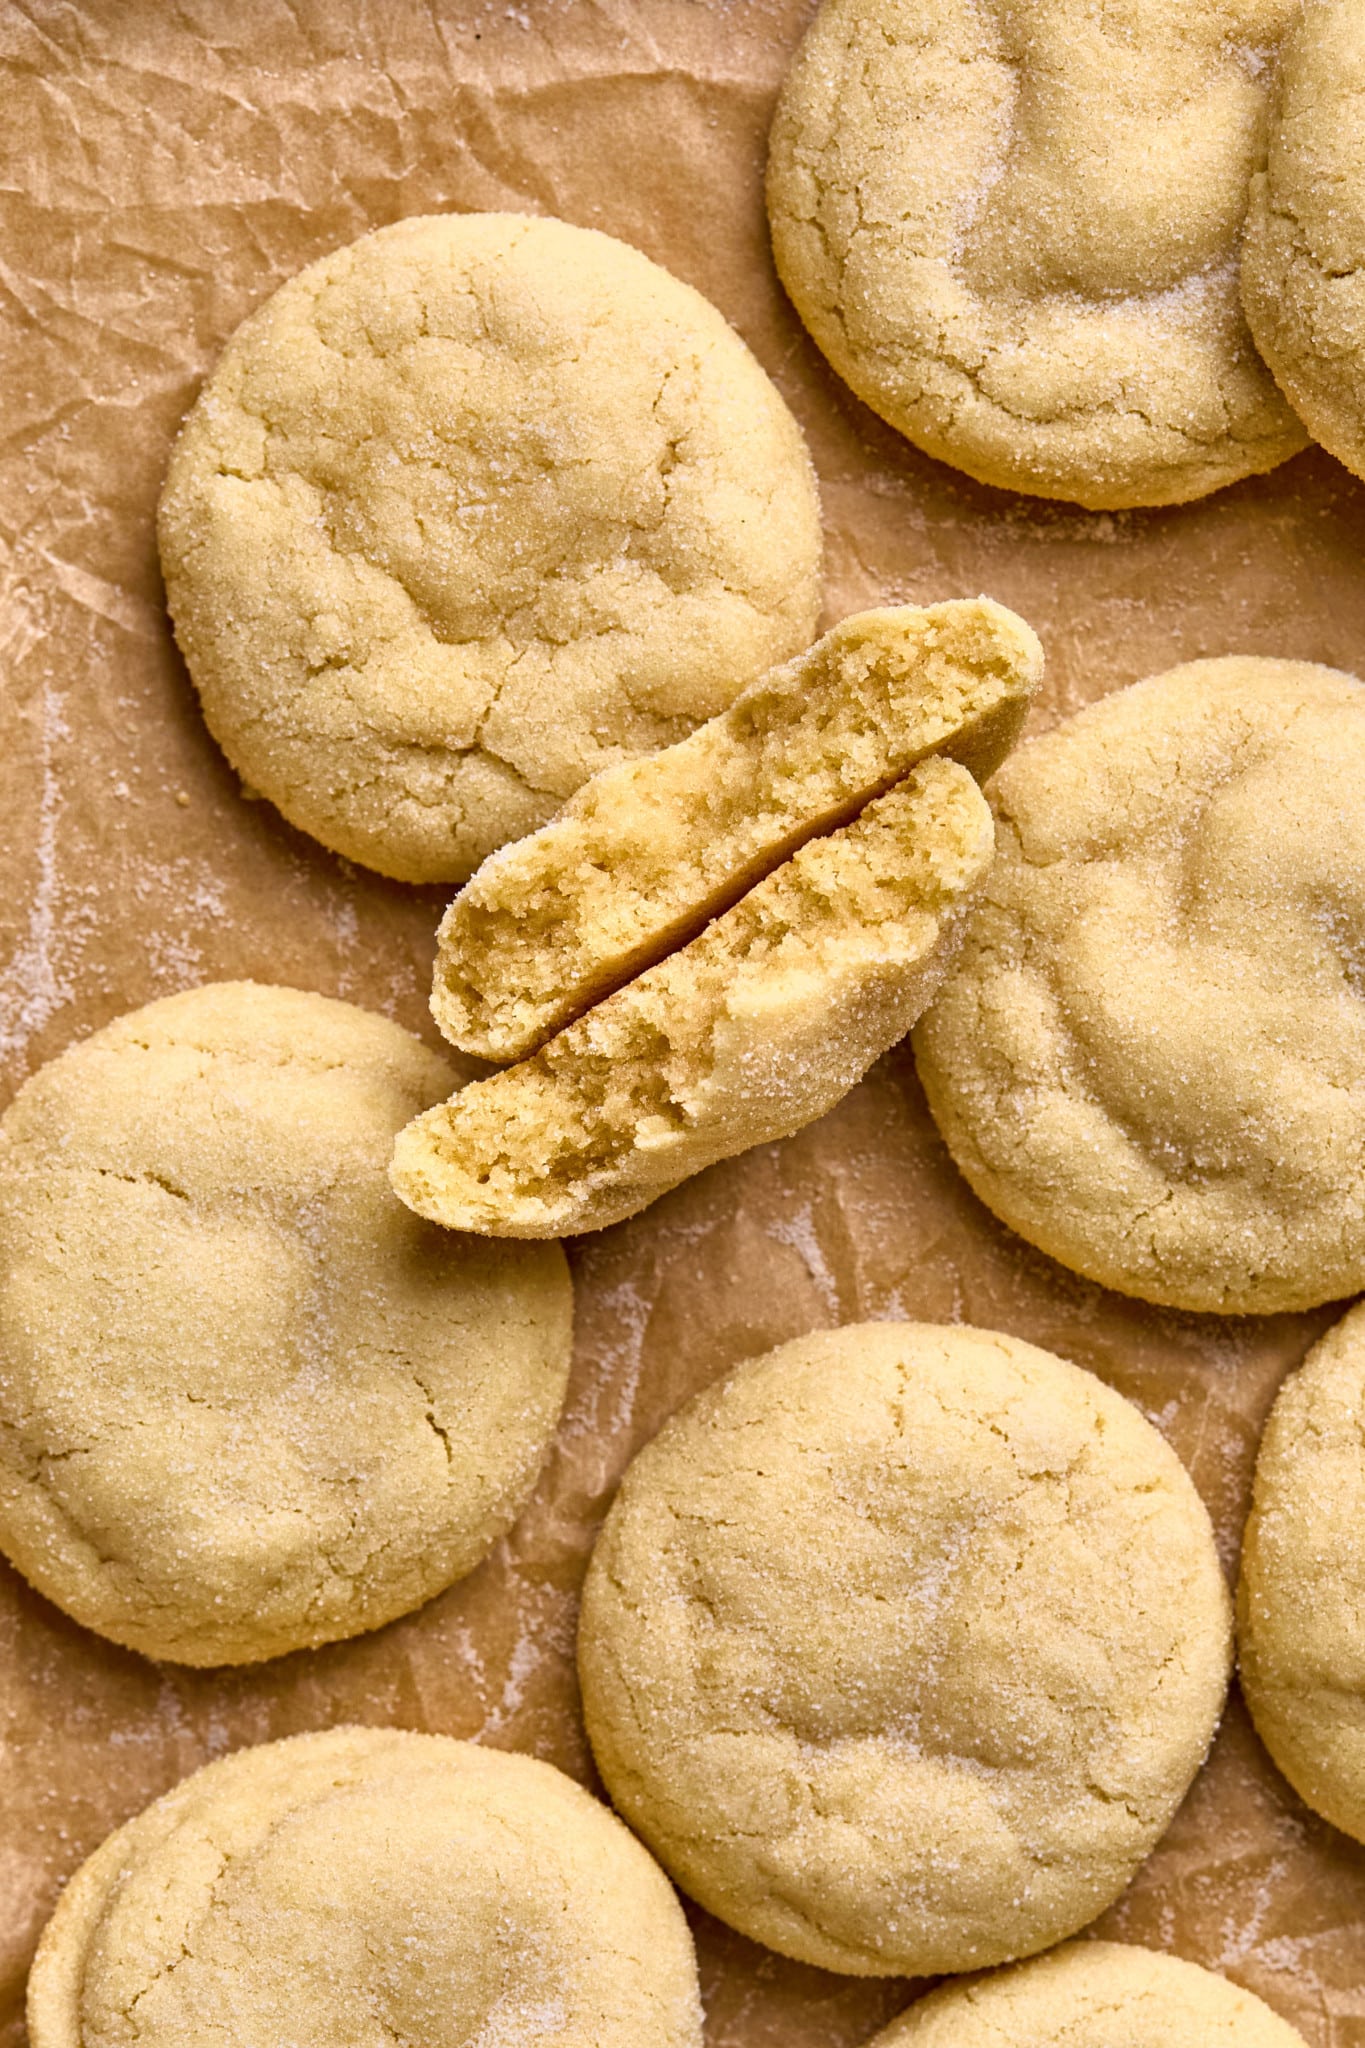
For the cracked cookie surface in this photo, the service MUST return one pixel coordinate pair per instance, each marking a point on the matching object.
(744, 1035)
(900, 1646)
(247, 1401)
(1093, 1994)
(1303, 259)
(1301, 1637)
(468, 510)
(648, 853)
(1149, 1055)
(1012, 228)
(369, 1883)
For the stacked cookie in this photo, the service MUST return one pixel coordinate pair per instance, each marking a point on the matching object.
(1017, 234)
(425, 1889)
(818, 942)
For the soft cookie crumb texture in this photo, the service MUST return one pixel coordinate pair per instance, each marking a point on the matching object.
(1013, 229)
(646, 853)
(467, 510)
(743, 1036)
(901, 1645)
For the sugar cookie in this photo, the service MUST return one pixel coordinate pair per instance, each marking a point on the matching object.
(1092, 1994)
(1303, 260)
(1013, 230)
(368, 1884)
(247, 1402)
(757, 1027)
(1301, 1602)
(647, 853)
(1149, 1057)
(900, 1646)
(468, 510)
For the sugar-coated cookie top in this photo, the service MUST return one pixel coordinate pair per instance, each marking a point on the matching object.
(901, 1645)
(468, 510)
(1149, 1058)
(1301, 1602)
(1092, 1994)
(1012, 226)
(247, 1401)
(407, 1886)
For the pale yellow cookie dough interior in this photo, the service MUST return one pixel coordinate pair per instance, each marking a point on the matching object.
(426, 1890)
(643, 856)
(1301, 1602)
(901, 1645)
(1303, 260)
(752, 1030)
(1092, 1994)
(1149, 1057)
(1013, 227)
(247, 1401)
(468, 510)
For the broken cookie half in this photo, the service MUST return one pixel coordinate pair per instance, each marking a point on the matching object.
(647, 853)
(743, 1035)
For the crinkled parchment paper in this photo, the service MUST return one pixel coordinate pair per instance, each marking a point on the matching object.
(167, 165)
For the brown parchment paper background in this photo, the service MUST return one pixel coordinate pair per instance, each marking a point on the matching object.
(164, 166)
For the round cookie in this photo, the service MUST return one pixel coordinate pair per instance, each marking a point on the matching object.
(900, 1646)
(1301, 1600)
(1092, 1994)
(1303, 258)
(457, 1897)
(467, 511)
(248, 1402)
(1013, 230)
(1149, 1057)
